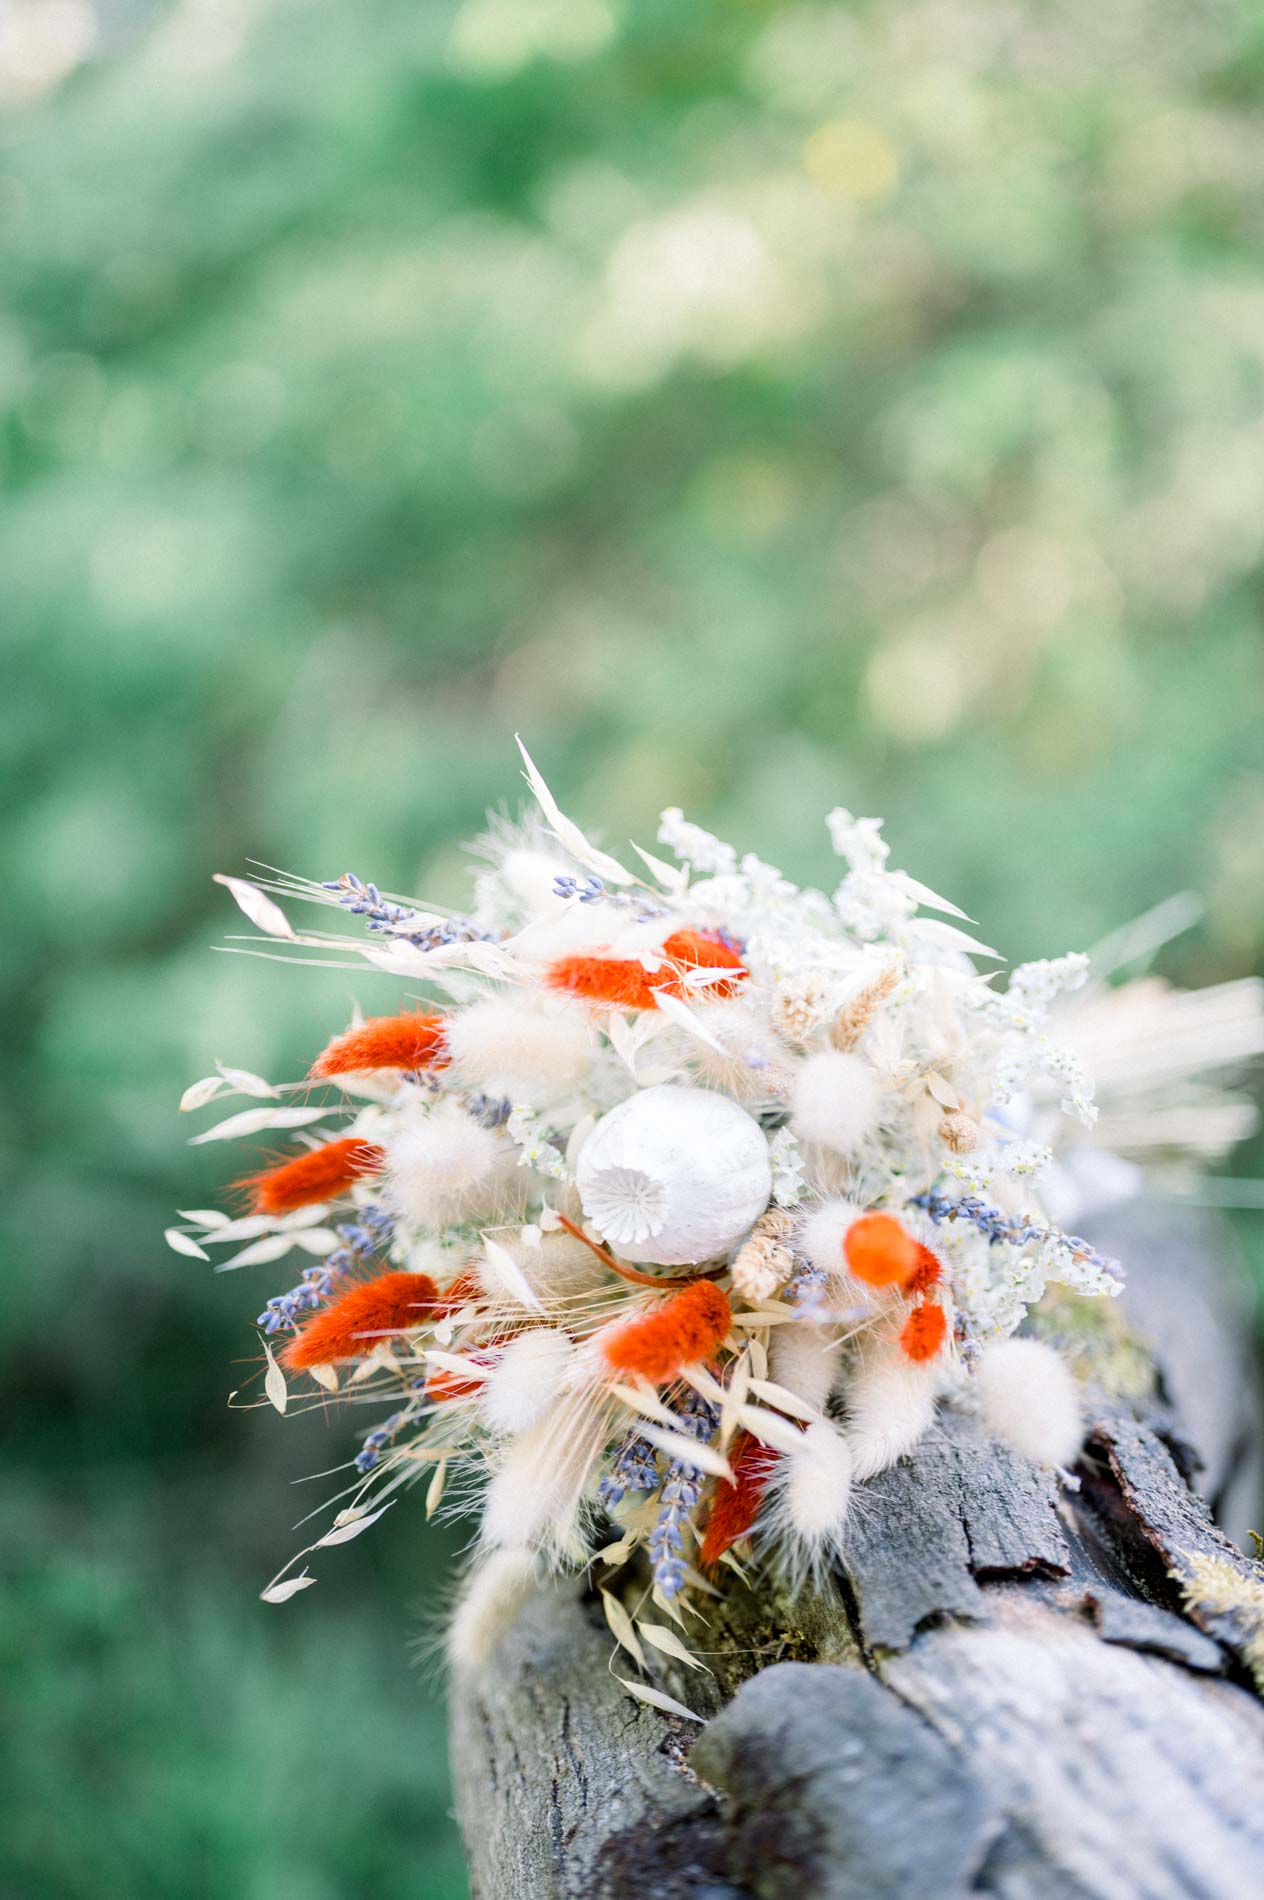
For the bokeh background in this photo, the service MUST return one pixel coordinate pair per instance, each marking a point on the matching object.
(761, 406)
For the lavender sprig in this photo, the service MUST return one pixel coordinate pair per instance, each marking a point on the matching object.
(379, 913)
(633, 1468)
(682, 1487)
(376, 1441)
(361, 1238)
(588, 890)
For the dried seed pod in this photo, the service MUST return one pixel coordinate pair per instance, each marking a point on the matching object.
(674, 1175)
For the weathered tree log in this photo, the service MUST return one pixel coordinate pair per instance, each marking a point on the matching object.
(1016, 1689)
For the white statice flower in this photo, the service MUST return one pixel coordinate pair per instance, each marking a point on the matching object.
(535, 1150)
(694, 846)
(1024, 1160)
(787, 1168)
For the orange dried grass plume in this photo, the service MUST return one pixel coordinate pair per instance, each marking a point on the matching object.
(881, 1252)
(924, 1333)
(683, 1331)
(734, 1507)
(319, 1175)
(617, 981)
(926, 1274)
(354, 1323)
(411, 1041)
(625, 984)
(697, 949)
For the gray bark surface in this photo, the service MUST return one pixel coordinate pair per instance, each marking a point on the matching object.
(1015, 1689)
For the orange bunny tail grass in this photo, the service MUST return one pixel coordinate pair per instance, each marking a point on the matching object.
(923, 1334)
(411, 1041)
(465, 1290)
(734, 1507)
(354, 1323)
(319, 1175)
(698, 950)
(685, 1330)
(612, 980)
(881, 1252)
(926, 1274)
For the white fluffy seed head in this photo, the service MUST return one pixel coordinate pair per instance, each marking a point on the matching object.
(837, 1101)
(821, 1234)
(442, 1168)
(1030, 1399)
(804, 1359)
(805, 1511)
(527, 1379)
(890, 1403)
(537, 1491)
(493, 1593)
(522, 1046)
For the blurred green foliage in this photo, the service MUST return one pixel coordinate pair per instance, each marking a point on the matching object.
(760, 406)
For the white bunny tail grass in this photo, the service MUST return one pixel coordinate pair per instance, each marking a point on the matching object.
(806, 1503)
(536, 1496)
(837, 1101)
(520, 1046)
(822, 1231)
(1030, 1399)
(890, 1404)
(527, 1380)
(442, 1168)
(493, 1592)
(804, 1359)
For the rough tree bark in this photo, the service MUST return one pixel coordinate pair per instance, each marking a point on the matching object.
(1016, 1689)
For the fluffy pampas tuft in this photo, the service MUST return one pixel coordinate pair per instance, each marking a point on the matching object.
(804, 1359)
(494, 1591)
(527, 1379)
(807, 1500)
(837, 1101)
(890, 1403)
(1030, 1399)
(521, 1047)
(443, 1168)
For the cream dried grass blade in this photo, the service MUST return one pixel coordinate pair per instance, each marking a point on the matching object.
(681, 1013)
(646, 1403)
(180, 1242)
(350, 1525)
(658, 1700)
(282, 1592)
(198, 1094)
(667, 1640)
(770, 1428)
(621, 1628)
(257, 906)
(784, 1400)
(567, 832)
(509, 1277)
(259, 1253)
(689, 1451)
(246, 1082)
(253, 1121)
(274, 1381)
(434, 1490)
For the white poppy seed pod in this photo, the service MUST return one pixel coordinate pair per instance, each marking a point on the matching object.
(674, 1175)
(837, 1101)
(1030, 1399)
